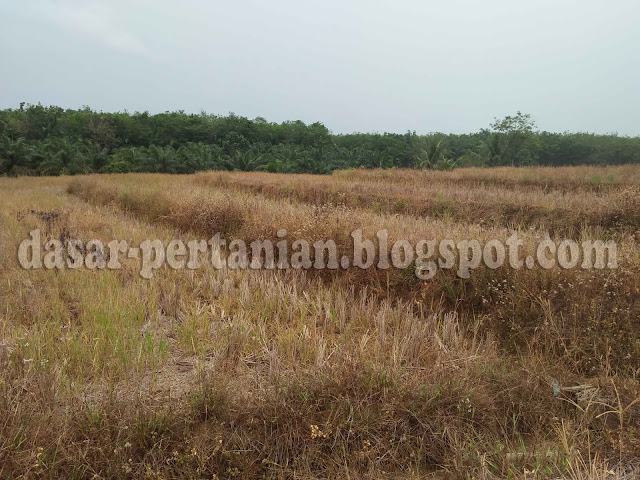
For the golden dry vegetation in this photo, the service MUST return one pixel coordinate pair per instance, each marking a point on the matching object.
(322, 374)
(556, 199)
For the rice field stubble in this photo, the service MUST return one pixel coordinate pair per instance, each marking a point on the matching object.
(319, 374)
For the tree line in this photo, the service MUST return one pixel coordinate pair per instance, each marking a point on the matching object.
(39, 140)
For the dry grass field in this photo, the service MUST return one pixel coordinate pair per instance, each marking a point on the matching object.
(360, 374)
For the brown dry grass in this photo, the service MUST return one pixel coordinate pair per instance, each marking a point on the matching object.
(562, 178)
(476, 197)
(246, 374)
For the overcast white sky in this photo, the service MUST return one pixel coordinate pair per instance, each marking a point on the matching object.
(355, 65)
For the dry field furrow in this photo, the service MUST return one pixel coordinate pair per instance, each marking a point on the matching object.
(616, 210)
(564, 179)
(535, 307)
(220, 373)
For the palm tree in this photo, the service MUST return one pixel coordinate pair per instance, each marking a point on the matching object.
(430, 156)
(195, 157)
(492, 149)
(247, 161)
(446, 164)
(62, 157)
(285, 158)
(98, 157)
(15, 157)
(163, 160)
(352, 157)
(321, 160)
(129, 159)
